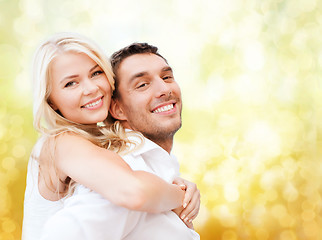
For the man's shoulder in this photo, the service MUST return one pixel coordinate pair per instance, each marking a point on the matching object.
(139, 144)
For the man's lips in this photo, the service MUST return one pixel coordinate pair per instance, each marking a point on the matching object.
(164, 108)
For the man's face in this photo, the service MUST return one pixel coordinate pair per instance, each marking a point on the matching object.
(149, 98)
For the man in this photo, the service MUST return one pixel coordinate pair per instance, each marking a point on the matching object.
(147, 100)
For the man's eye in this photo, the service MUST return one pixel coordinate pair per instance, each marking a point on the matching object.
(97, 73)
(70, 84)
(167, 78)
(141, 85)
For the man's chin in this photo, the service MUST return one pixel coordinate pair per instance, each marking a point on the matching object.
(171, 130)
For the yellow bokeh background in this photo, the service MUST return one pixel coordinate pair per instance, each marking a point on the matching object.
(250, 73)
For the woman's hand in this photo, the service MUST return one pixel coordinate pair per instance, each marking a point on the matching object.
(191, 203)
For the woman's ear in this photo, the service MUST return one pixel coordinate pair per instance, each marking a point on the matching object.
(116, 110)
(53, 106)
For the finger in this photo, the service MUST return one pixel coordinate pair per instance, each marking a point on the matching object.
(190, 191)
(179, 181)
(191, 215)
(194, 212)
(189, 225)
(193, 206)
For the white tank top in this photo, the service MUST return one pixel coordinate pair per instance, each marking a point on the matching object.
(37, 209)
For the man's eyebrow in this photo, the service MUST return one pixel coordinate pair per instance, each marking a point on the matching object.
(142, 74)
(167, 69)
(138, 75)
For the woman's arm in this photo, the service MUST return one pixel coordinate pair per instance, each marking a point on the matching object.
(107, 173)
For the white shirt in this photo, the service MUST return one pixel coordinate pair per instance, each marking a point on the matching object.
(88, 216)
(36, 208)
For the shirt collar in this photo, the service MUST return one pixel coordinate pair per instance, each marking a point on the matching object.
(143, 147)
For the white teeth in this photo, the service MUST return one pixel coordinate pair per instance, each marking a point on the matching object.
(164, 108)
(93, 104)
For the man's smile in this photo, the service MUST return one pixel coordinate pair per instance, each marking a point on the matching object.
(164, 108)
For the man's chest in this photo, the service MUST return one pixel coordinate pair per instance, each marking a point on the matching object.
(162, 165)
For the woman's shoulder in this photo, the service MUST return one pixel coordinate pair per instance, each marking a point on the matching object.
(69, 146)
(37, 148)
(70, 139)
(53, 147)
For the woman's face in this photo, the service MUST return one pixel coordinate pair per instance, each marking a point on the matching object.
(80, 88)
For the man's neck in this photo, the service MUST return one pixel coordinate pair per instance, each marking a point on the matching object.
(166, 145)
(166, 142)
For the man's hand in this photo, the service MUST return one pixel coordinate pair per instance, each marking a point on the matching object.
(191, 203)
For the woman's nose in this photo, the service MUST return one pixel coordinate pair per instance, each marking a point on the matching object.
(89, 87)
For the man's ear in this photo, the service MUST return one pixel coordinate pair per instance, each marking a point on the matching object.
(116, 110)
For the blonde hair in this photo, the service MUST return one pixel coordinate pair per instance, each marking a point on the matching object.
(49, 122)
(46, 120)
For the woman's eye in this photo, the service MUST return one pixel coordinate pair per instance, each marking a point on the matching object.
(97, 73)
(70, 84)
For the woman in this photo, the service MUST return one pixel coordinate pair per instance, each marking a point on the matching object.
(73, 84)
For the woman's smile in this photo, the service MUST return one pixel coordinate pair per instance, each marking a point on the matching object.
(94, 104)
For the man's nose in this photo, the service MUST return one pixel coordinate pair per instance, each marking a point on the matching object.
(162, 88)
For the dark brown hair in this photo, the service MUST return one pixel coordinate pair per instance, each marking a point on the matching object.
(132, 49)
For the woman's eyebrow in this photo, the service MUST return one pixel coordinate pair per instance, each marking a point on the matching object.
(76, 75)
(93, 67)
(68, 77)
